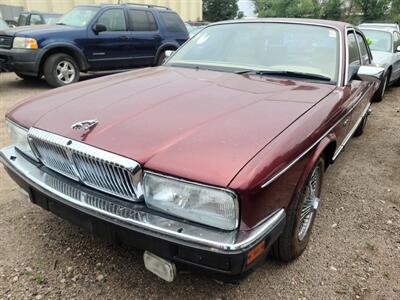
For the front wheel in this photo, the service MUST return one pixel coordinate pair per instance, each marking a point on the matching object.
(380, 93)
(60, 69)
(300, 217)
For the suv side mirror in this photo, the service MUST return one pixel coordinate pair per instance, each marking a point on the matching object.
(370, 73)
(397, 49)
(168, 53)
(97, 28)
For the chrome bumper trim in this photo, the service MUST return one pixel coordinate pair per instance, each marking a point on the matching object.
(132, 215)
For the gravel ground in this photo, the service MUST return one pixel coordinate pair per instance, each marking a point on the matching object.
(353, 254)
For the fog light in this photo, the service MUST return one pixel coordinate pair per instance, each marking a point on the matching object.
(162, 268)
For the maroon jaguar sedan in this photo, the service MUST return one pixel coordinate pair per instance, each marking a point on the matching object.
(211, 161)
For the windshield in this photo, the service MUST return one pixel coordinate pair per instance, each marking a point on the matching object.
(79, 16)
(263, 46)
(3, 24)
(379, 40)
(50, 19)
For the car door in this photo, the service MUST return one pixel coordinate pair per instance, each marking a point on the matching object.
(110, 49)
(144, 36)
(362, 89)
(396, 63)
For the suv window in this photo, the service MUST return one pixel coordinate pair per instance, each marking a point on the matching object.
(363, 49)
(36, 20)
(113, 19)
(396, 39)
(173, 22)
(141, 20)
(22, 19)
(354, 54)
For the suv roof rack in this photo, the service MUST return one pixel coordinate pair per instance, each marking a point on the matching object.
(147, 5)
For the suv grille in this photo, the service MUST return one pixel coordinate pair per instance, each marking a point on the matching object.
(6, 41)
(96, 168)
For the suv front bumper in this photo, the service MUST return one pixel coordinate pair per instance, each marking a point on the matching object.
(23, 61)
(184, 243)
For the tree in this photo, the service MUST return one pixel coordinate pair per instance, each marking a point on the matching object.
(373, 10)
(332, 10)
(219, 10)
(287, 8)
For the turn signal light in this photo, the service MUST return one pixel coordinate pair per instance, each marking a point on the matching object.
(255, 252)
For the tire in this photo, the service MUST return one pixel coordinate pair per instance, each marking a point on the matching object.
(161, 58)
(60, 69)
(294, 239)
(360, 129)
(380, 93)
(27, 77)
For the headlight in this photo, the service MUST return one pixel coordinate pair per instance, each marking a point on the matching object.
(19, 138)
(24, 43)
(199, 203)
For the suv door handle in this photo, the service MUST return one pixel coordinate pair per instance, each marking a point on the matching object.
(346, 122)
(124, 38)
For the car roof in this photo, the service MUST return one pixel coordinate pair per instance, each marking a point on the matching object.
(136, 5)
(336, 24)
(383, 29)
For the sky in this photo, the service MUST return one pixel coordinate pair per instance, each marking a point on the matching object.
(247, 7)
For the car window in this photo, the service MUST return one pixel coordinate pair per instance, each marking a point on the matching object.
(265, 47)
(113, 19)
(379, 40)
(354, 54)
(3, 24)
(396, 38)
(173, 22)
(36, 20)
(363, 49)
(22, 19)
(142, 20)
(79, 16)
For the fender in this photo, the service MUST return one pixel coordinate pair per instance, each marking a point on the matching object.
(163, 47)
(316, 154)
(81, 58)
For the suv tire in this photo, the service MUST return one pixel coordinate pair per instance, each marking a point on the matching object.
(60, 69)
(161, 58)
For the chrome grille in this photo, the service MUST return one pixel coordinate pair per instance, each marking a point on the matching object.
(96, 168)
(6, 41)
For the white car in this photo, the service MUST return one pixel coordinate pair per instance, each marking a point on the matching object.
(385, 48)
(393, 26)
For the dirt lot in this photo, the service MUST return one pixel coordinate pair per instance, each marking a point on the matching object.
(354, 252)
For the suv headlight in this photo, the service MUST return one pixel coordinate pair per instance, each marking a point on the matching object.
(24, 43)
(19, 138)
(192, 201)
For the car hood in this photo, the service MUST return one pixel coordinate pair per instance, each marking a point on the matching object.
(32, 31)
(194, 124)
(381, 57)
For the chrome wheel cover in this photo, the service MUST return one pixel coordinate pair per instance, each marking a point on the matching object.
(310, 202)
(66, 72)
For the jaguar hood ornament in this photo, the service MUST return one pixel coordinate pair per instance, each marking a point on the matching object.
(85, 125)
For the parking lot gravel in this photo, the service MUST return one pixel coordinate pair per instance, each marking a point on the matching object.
(354, 252)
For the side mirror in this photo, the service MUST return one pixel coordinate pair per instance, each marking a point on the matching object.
(370, 73)
(97, 28)
(168, 53)
(397, 49)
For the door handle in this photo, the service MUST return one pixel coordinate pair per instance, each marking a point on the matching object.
(346, 122)
(124, 37)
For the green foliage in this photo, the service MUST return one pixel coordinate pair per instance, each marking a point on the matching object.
(287, 8)
(332, 10)
(352, 11)
(219, 10)
(373, 10)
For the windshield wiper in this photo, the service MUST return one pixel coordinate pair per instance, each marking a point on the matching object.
(286, 74)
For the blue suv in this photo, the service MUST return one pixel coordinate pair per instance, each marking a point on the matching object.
(92, 38)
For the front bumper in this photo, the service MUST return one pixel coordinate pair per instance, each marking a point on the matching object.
(24, 61)
(185, 243)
